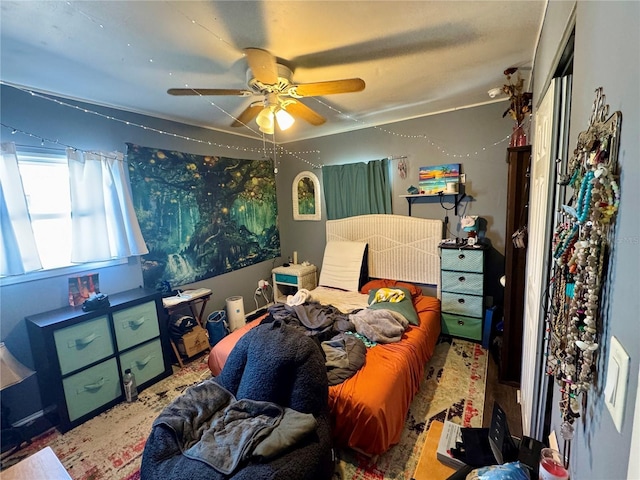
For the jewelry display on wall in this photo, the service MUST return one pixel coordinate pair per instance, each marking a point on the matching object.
(580, 250)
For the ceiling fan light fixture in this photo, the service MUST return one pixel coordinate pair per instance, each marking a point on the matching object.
(265, 120)
(284, 119)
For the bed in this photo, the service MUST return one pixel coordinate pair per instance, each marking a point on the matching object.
(368, 410)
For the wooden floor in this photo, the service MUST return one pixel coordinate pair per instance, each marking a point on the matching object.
(505, 395)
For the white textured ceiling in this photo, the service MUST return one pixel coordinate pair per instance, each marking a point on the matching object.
(416, 57)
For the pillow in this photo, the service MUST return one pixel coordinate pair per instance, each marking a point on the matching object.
(342, 265)
(404, 307)
(382, 283)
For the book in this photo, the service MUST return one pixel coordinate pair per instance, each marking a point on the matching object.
(450, 439)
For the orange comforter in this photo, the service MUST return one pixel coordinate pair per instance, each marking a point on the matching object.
(369, 409)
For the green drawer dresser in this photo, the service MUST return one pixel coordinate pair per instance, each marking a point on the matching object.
(81, 357)
(462, 291)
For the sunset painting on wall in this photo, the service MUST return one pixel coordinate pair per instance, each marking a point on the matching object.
(434, 179)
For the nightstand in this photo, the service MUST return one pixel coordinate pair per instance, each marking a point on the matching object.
(288, 280)
(462, 284)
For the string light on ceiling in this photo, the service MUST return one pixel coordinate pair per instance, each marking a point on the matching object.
(419, 136)
(271, 114)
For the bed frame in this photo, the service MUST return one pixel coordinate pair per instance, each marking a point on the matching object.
(400, 247)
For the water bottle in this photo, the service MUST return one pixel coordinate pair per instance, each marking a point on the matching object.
(130, 388)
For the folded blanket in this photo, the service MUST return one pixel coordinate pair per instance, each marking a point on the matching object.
(382, 326)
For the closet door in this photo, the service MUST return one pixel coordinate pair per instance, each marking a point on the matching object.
(550, 150)
(537, 256)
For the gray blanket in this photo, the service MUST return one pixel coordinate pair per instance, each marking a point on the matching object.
(323, 321)
(382, 326)
(210, 425)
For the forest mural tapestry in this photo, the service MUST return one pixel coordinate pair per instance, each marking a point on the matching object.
(201, 216)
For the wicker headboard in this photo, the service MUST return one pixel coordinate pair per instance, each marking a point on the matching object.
(400, 247)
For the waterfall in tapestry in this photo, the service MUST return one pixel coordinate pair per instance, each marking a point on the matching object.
(202, 216)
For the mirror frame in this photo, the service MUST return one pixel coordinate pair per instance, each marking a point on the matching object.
(296, 199)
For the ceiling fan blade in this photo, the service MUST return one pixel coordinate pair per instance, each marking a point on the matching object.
(299, 109)
(248, 114)
(347, 85)
(209, 91)
(262, 65)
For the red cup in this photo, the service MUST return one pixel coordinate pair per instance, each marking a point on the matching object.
(552, 465)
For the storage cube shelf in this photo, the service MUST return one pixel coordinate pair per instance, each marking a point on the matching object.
(288, 280)
(462, 281)
(80, 357)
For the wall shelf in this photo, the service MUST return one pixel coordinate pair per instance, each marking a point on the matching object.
(424, 198)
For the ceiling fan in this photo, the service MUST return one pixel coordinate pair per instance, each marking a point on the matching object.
(272, 80)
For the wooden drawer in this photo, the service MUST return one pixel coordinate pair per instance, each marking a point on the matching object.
(460, 326)
(135, 325)
(92, 388)
(463, 282)
(462, 304)
(146, 362)
(462, 260)
(83, 344)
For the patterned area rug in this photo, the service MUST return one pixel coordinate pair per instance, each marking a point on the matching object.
(452, 389)
(110, 445)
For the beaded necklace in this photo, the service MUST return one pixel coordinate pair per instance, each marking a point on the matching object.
(580, 246)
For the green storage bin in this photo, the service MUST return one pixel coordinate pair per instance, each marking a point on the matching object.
(462, 304)
(146, 362)
(136, 325)
(92, 388)
(462, 282)
(82, 344)
(459, 326)
(462, 259)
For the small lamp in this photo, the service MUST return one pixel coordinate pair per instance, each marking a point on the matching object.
(12, 372)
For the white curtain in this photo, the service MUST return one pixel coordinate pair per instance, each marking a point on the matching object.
(18, 251)
(103, 223)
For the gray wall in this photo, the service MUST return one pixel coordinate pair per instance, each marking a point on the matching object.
(457, 133)
(461, 132)
(606, 55)
(72, 127)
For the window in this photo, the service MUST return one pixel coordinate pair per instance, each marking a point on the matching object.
(45, 179)
(45, 232)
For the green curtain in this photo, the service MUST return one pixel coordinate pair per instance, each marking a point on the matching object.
(357, 189)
